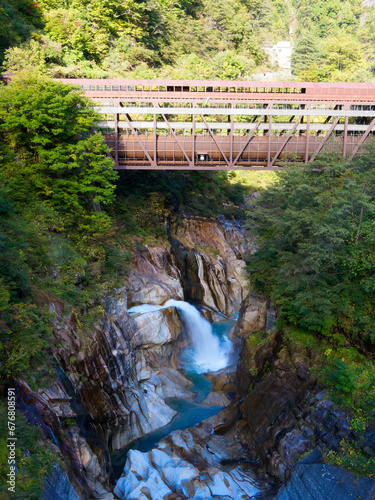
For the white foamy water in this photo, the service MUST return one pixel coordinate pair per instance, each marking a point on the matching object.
(208, 353)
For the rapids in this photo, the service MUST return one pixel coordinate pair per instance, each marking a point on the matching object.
(209, 353)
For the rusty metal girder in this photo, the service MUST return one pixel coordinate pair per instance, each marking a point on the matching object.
(215, 141)
(190, 162)
(286, 141)
(150, 150)
(128, 120)
(362, 140)
(325, 139)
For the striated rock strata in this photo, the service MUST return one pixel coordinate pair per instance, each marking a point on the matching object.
(115, 378)
(286, 412)
(210, 259)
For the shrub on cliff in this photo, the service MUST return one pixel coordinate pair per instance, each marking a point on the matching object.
(33, 457)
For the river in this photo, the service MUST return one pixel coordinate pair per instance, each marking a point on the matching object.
(209, 351)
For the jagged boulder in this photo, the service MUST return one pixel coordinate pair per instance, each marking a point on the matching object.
(186, 465)
(252, 316)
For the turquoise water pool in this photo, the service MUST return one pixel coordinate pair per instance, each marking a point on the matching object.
(189, 413)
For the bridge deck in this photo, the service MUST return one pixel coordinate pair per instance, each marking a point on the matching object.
(165, 124)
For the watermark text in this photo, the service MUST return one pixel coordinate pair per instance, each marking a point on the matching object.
(12, 440)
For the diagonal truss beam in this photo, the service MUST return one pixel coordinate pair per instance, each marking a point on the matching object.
(326, 137)
(153, 163)
(190, 162)
(248, 140)
(287, 138)
(363, 138)
(113, 159)
(215, 141)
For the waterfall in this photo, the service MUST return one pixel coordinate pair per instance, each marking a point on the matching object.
(209, 354)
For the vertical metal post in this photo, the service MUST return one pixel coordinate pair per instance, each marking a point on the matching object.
(269, 141)
(307, 139)
(193, 138)
(345, 144)
(231, 139)
(116, 139)
(155, 140)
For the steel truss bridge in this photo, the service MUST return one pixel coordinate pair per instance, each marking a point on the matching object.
(165, 124)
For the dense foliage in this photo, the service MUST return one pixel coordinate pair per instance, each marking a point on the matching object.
(18, 20)
(58, 245)
(190, 39)
(333, 41)
(60, 251)
(34, 460)
(196, 192)
(316, 226)
(316, 264)
(55, 240)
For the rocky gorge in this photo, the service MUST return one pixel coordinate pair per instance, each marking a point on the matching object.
(115, 384)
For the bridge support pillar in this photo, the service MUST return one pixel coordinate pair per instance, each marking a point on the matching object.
(269, 141)
(231, 139)
(155, 140)
(116, 139)
(345, 140)
(307, 139)
(193, 137)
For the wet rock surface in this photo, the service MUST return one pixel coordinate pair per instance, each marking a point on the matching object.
(115, 388)
(120, 377)
(155, 277)
(252, 316)
(191, 464)
(287, 414)
(58, 487)
(116, 378)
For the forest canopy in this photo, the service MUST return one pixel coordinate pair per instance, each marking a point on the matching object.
(223, 39)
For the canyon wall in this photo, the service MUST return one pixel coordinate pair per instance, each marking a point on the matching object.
(113, 380)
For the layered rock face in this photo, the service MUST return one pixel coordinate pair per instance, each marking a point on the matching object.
(155, 277)
(117, 377)
(210, 259)
(119, 380)
(252, 316)
(287, 414)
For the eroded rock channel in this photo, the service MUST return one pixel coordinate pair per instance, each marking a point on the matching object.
(130, 379)
(146, 408)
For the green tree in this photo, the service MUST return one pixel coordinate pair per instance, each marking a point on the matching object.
(229, 65)
(18, 20)
(317, 248)
(367, 35)
(342, 53)
(313, 73)
(346, 17)
(50, 128)
(325, 17)
(27, 57)
(305, 54)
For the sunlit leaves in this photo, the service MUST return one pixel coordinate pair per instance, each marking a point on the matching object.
(50, 128)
